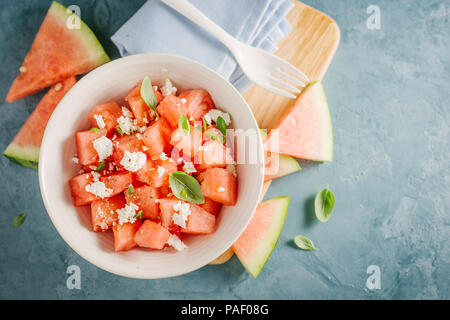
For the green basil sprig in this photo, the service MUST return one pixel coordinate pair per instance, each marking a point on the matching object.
(148, 95)
(19, 220)
(100, 166)
(130, 191)
(183, 124)
(323, 204)
(304, 243)
(186, 187)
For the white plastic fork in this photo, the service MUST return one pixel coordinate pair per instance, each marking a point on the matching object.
(261, 67)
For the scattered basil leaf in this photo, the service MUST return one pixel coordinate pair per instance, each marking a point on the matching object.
(323, 204)
(94, 130)
(139, 214)
(186, 187)
(222, 125)
(100, 166)
(158, 217)
(304, 243)
(204, 123)
(148, 95)
(19, 220)
(183, 124)
(211, 135)
(130, 191)
(119, 130)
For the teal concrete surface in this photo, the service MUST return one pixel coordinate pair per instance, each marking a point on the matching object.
(388, 91)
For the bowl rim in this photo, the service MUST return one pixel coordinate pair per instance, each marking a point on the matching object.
(47, 199)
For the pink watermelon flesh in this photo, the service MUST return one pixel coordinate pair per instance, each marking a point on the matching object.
(256, 243)
(57, 53)
(24, 149)
(305, 131)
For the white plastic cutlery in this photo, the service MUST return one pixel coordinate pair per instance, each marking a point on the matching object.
(261, 67)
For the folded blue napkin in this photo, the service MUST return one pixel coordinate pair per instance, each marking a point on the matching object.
(157, 28)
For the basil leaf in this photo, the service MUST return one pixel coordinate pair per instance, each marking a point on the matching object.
(94, 129)
(130, 191)
(323, 204)
(304, 243)
(139, 214)
(204, 123)
(211, 135)
(183, 124)
(148, 95)
(19, 220)
(100, 166)
(222, 125)
(119, 130)
(186, 187)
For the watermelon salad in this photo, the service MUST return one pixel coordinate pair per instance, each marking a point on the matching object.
(156, 168)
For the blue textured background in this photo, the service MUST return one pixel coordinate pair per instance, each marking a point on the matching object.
(389, 95)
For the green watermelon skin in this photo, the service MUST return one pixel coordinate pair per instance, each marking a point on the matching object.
(24, 148)
(56, 54)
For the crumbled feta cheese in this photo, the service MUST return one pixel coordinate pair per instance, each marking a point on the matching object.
(213, 114)
(23, 69)
(133, 161)
(100, 122)
(155, 88)
(92, 167)
(144, 148)
(104, 147)
(75, 160)
(168, 88)
(95, 175)
(99, 189)
(103, 225)
(145, 120)
(163, 156)
(180, 160)
(160, 171)
(231, 168)
(221, 189)
(203, 148)
(127, 125)
(183, 100)
(142, 129)
(139, 136)
(127, 113)
(58, 87)
(182, 212)
(176, 243)
(127, 214)
(189, 167)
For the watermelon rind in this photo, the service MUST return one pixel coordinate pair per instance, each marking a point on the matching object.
(25, 156)
(87, 37)
(286, 165)
(254, 262)
(330, 135)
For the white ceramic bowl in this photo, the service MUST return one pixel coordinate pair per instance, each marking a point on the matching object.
(111, 82)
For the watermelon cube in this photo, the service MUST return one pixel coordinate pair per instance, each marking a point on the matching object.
(169, 109)
(124, 235)
(199, 221)
(136, 92)
(129, 143)
(219, 185)
(117, 181)
(211, 206)
(145, 198)
(198, 103)
(143, 114)
(109, 113)
(103, 212)
(151, 235)
(188, 144)
(85, 145)
(214, 154)
(156, 138)
(158, 175)
(166, 209)
(78, 184)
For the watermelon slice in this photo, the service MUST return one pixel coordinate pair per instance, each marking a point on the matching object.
(278, 165)
(57, 53)
(24, 149)
(305, 131)
(256, 243)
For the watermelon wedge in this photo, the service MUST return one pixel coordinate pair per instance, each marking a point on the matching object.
(305, 131)
(24, 149)
(57, 53)
(256, 243)
(278, 165)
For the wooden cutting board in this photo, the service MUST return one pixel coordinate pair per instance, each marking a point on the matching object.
(310, 47)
